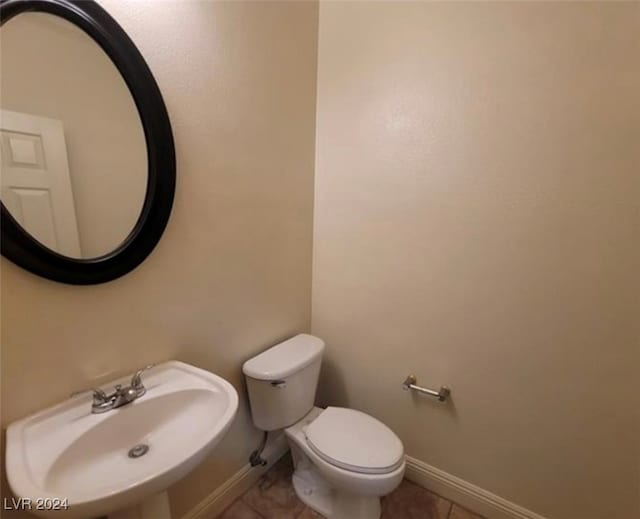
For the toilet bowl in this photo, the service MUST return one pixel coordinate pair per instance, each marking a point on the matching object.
(344, 459)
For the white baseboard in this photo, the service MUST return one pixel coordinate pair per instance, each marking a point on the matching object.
(464, 493)
(238, 484)
(442, 483)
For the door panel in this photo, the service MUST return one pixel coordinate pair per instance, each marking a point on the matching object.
(36, 184)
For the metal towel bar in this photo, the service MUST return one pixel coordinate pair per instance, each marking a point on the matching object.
(410, 384)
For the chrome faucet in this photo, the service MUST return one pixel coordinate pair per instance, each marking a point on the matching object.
(102, 402)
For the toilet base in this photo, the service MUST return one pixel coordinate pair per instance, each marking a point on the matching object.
(332, 491)
(314, 492)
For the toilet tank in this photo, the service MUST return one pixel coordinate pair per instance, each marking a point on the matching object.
(282, 381)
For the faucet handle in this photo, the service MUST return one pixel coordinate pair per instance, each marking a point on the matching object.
(99, 396)
(136, 380)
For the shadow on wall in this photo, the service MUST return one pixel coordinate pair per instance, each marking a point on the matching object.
(333, 391)
(331, 386)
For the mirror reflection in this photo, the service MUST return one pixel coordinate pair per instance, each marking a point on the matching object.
(73, 152)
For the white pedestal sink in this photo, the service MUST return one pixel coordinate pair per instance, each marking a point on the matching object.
(68, 456)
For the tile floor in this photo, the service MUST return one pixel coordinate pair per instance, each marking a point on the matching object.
(273, 497)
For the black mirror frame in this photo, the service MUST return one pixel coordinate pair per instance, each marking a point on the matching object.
(17, 245)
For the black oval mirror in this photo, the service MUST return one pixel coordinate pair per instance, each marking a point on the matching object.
(88, 163)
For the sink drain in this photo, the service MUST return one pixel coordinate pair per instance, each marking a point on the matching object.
(137, 451)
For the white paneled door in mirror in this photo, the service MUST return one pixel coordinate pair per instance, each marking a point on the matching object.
(36, 186)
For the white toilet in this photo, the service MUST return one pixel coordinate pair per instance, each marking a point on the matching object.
(345, 460)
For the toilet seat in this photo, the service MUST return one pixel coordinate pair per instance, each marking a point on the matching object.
(354, 441)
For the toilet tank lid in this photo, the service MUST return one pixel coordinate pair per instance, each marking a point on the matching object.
(284, 359)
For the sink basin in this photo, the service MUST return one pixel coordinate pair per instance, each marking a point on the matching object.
(67, 453)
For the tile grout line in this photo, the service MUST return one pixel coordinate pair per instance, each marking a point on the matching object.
(241, 498)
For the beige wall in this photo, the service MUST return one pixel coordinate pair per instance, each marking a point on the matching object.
(232, 273)
(477, 222)
(51, 68)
